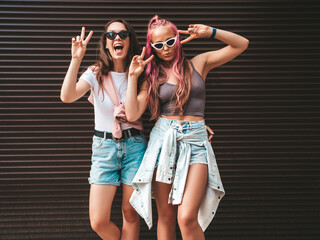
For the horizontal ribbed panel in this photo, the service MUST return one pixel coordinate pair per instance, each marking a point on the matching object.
(263, 107)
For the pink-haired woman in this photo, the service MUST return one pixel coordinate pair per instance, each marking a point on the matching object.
(179, 165)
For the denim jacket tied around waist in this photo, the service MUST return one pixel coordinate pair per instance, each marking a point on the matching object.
(164, 138)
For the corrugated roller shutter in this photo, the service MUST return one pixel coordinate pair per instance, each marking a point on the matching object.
(263, 107)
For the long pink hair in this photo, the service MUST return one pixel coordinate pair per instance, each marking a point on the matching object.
(156, 73)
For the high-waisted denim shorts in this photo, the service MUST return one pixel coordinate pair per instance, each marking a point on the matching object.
(116, 162)
(198, 153)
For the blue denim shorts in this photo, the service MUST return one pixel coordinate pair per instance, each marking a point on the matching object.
(198, 153)
(116, 162)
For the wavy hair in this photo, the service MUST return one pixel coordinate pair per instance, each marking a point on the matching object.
(156, 72)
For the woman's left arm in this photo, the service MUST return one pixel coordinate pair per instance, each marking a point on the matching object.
(206, 61)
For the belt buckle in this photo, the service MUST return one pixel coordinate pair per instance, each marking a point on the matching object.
(117, 139)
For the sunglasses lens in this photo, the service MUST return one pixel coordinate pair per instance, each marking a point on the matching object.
(158, 46)
(123, 34)
(170, 42)
(111, 35)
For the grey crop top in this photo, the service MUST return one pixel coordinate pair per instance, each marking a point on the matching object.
(196, 102)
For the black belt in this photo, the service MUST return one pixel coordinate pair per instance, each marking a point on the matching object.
(125, 134)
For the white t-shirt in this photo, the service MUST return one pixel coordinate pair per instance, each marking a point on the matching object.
(103, 105)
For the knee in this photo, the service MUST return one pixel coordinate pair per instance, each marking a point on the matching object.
(167, 215)
(98, 224)
(187, 220)
(129, 214)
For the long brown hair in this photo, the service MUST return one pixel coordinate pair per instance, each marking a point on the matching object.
(104, 63)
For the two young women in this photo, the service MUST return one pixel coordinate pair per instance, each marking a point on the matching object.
(179, 165)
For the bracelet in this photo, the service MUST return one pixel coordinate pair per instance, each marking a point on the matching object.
(214, 31)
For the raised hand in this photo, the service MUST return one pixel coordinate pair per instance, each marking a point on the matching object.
(196, 31)
(79, 45)
(137, 64)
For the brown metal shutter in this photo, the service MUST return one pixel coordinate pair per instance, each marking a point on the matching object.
(263, 106)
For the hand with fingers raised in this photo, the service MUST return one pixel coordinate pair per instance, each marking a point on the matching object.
(196, 31)
(79, 45)
(137, 64)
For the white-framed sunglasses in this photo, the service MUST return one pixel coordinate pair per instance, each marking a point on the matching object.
(159, 45)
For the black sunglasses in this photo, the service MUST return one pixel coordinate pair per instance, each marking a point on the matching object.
(122, 34)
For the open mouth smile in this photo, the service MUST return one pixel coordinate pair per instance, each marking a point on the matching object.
(118, 47)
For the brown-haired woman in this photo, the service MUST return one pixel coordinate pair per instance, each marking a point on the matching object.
(118, 145)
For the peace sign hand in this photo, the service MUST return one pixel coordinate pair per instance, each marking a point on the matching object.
(196, 31)
(137, 64)
(79, 45)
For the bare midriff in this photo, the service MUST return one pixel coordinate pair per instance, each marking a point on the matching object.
(183, 118)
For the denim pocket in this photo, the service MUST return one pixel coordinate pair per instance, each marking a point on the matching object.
(97, 142)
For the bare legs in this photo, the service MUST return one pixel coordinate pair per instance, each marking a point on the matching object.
(131, 219)
(167, 213)
(187, 210)
(101, 198)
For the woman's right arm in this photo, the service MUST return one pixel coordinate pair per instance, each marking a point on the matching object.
(136, 103)
(72, 90)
